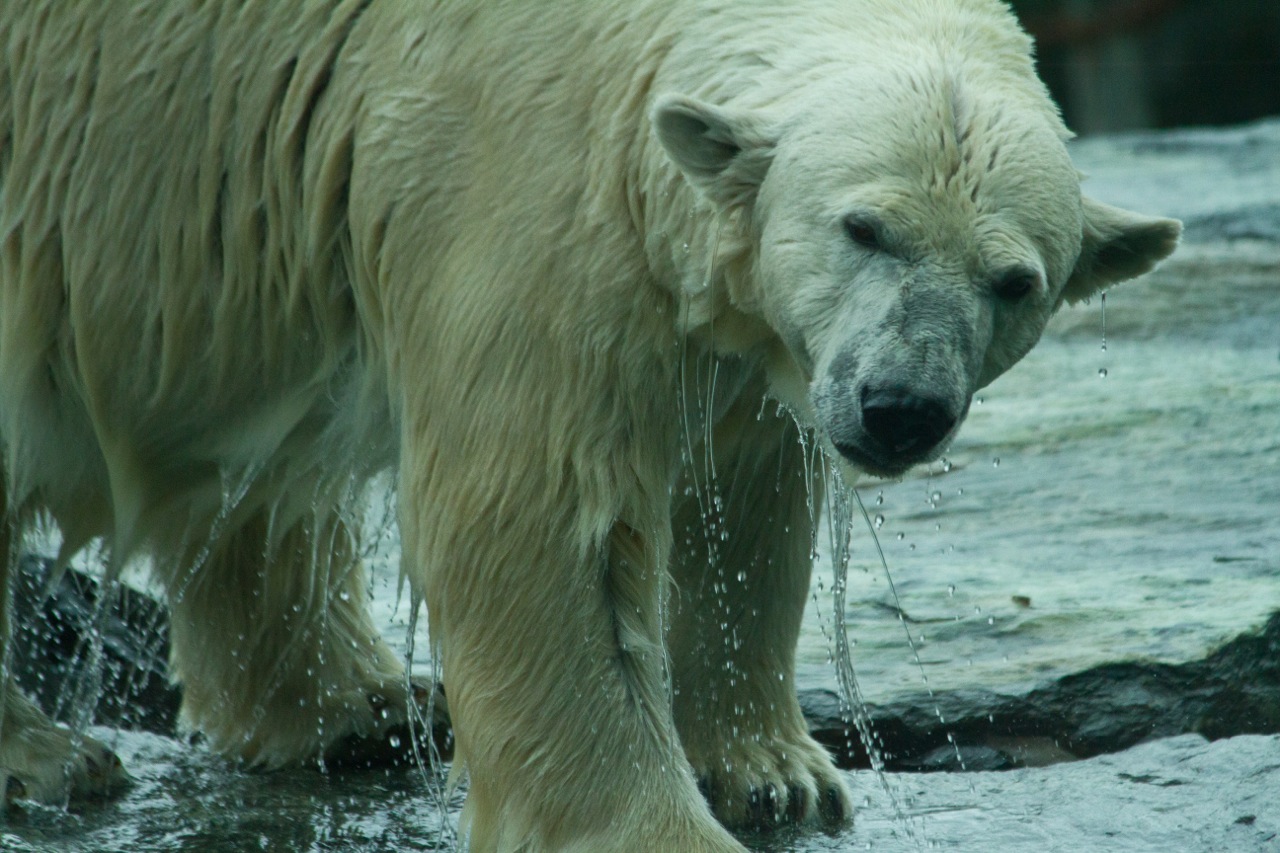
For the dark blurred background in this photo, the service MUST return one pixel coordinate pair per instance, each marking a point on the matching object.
(1123, 64)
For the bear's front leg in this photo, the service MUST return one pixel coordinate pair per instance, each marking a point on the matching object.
(742, 566)
(545, 607)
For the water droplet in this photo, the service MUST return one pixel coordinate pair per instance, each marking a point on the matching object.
(901, 536)
(995, 463)
(1102, 373)
(879, 521)
(1103, 300)
(951, 591)
(742, 577)
(394, 740)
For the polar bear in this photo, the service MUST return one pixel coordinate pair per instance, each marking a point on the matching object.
(543, 262)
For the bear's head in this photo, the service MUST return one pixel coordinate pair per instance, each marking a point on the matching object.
(907, 250)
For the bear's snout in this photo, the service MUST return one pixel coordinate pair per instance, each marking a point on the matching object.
(903, 423)
(900, 428)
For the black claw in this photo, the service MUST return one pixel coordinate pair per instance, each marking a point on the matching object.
(833, 806)
(755, 806)
(771, 800)
(762, 806)
(795, 804)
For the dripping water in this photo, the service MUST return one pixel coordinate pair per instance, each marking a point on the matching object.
(431, 767)
(234, 489)
(902, 620)
(697, 420)
(1102, 301)
(853, 703)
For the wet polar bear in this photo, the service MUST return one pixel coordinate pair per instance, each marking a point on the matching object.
(542, 261)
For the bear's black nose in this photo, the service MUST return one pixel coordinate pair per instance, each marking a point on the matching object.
(903, 423)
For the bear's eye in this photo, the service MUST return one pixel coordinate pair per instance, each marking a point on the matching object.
(1014, 285)
(864, 233)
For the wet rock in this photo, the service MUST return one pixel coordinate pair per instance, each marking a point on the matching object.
(1233, 691)
(1104, 709)
(53, 654)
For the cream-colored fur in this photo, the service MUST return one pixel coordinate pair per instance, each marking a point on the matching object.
(528, 256)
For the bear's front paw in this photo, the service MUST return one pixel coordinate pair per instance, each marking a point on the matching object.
(765, 783)
(55, 766)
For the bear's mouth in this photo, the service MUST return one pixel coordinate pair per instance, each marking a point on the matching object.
(881, 465)
(896, 430)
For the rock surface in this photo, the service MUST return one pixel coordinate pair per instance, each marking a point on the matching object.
(54, 619)
(1108, 708)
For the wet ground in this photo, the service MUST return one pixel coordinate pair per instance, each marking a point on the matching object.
(1101, 505)
(1182, 794)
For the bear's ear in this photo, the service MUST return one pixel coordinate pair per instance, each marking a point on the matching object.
(723, 152)
(1118, 245)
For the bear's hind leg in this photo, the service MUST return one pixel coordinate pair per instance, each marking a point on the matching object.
(279, 660)
(742, 578)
